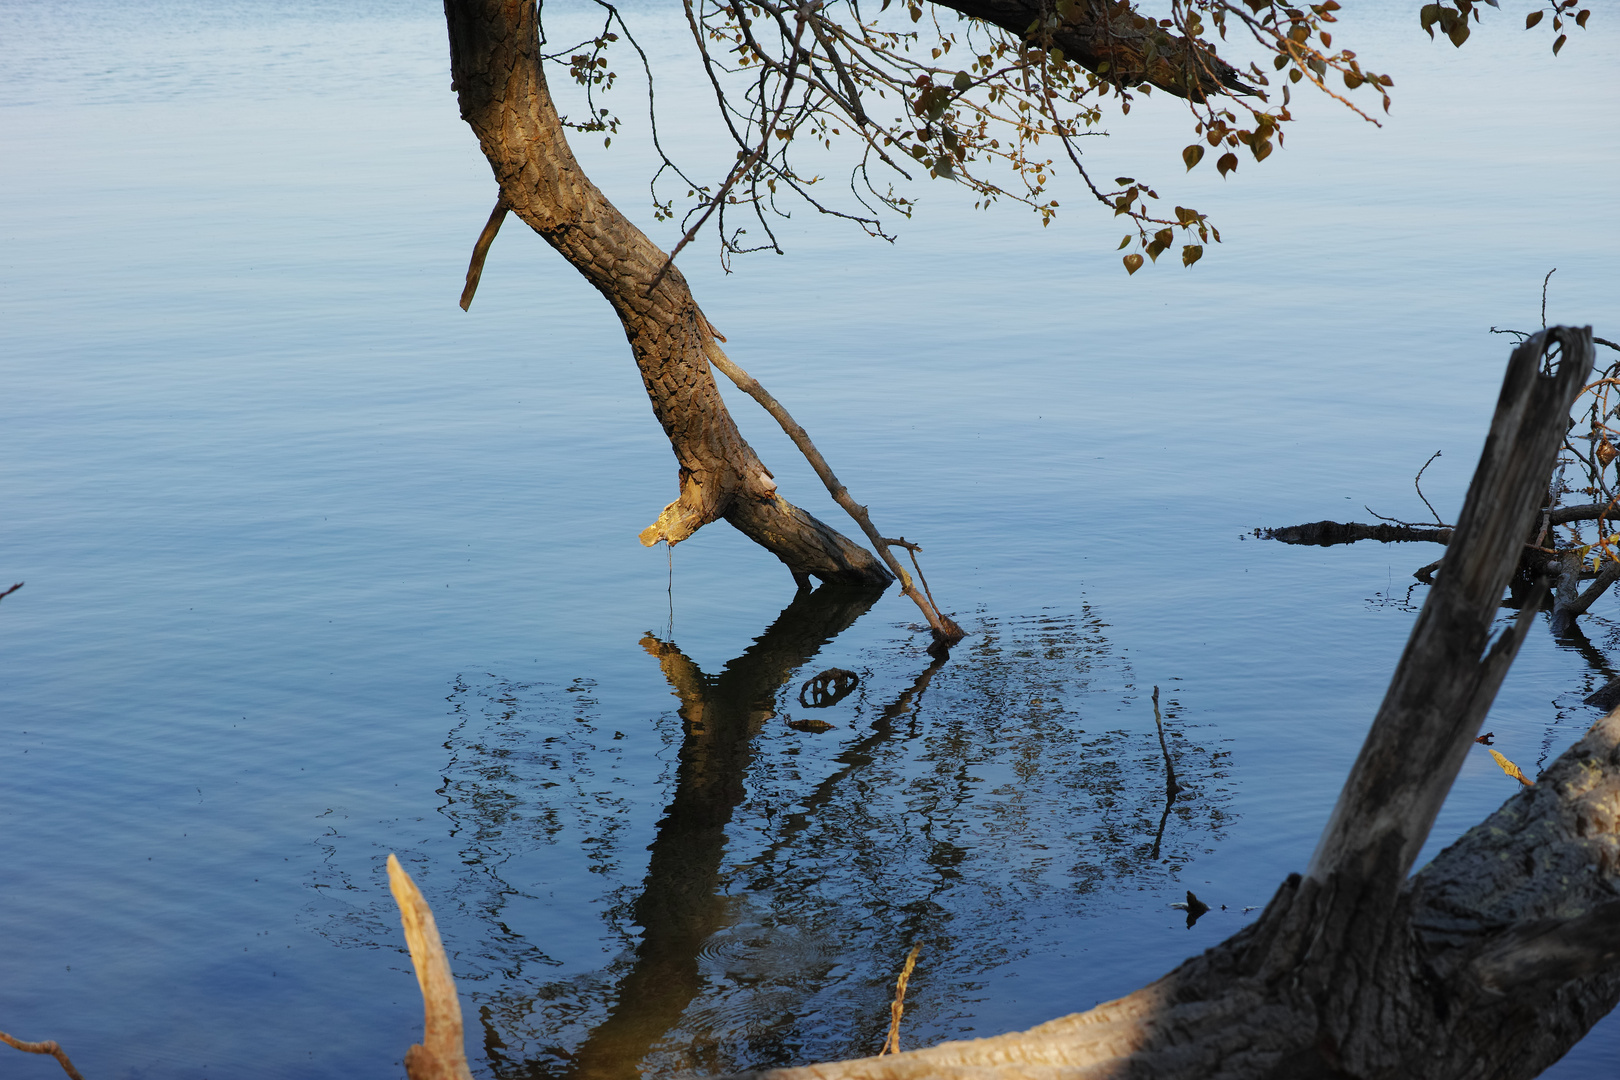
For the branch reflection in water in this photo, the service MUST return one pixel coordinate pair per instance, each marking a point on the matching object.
(976, 807)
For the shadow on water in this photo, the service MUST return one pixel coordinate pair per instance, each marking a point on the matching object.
(814, 827)
(683, 900)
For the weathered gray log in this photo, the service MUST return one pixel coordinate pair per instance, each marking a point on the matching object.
(1491, 962)
(1445, 681)
(1573, 602)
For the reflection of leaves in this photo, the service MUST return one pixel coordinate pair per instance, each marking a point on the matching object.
(976, 809)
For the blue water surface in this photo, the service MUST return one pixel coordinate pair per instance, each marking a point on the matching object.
(319, 567)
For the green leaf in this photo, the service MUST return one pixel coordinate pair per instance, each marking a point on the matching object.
(1428, 14)
(963, 80)
(1123, 244)
(1192, 155)
(1458, 33)
(1133, 263)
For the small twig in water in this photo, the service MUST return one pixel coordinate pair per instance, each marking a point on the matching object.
(891, 1045)
(1544, 281)
(912, 550)
(11, 590)
(1403, 524)
(1419, 487)
(49, 1046)
(1171, 788)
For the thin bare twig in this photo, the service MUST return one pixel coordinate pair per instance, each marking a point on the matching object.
(49, 1046)
(946, 632)
(891, 1045)
(1172, 789)
(1419, 486)
(11, 590)
(912, 550)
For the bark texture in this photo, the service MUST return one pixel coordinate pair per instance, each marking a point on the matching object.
(1109, 35)
(496, 70)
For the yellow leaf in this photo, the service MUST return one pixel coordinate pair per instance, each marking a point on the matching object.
(1510, 768)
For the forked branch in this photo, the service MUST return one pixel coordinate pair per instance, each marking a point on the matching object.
(946, 632)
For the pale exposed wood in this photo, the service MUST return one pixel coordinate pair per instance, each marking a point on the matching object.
(897, 1007)
(49, 1046)
(442, 1053)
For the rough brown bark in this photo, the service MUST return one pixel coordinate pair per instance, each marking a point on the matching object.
(496, 70)
(1110, 35)
(1491, 962)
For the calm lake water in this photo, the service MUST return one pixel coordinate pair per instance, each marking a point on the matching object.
(320, 567)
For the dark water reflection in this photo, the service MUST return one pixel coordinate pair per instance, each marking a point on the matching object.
(978, 807)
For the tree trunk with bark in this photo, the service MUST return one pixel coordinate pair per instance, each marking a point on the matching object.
(1489, 963)
(495, 65)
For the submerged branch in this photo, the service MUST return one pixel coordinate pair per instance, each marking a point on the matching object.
(1329, 533)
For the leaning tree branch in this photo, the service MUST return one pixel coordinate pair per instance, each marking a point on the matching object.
(946, 632)
(495, 63)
